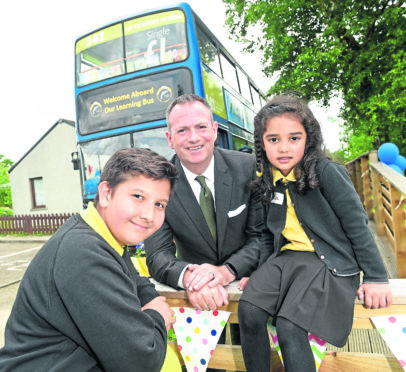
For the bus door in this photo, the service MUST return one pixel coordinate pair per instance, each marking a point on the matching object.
(222, 138)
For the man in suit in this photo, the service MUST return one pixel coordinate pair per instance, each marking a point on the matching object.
(184, 252)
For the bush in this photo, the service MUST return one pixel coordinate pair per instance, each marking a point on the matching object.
(6, 211)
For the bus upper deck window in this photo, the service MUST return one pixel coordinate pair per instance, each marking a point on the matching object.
(229, 72)
(156, 39)
(100, 55)
(244, 85)
(208, 52)
(256, 97)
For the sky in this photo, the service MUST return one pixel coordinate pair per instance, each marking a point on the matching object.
(37, 62)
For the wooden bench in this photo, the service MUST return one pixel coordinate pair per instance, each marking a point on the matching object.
(229, 357)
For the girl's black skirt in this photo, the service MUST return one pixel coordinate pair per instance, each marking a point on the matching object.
(298, 286)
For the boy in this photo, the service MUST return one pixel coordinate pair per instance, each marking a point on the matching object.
(81, 305)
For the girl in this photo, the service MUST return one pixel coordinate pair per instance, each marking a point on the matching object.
(318, 242)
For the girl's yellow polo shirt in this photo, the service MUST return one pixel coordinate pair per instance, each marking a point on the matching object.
(293, 231)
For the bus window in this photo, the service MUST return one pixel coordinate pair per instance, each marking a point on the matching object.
(153, 139)
(96, 153)
(229, 73)
(255, 97)
(208, 52)
(239, 142)
(222, 138)
(156, 39)
(244, 85)
(99, 56)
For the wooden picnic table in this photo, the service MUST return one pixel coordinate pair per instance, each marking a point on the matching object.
(229, 357)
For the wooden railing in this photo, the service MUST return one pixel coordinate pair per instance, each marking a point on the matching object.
(39, 224)
(383, 193)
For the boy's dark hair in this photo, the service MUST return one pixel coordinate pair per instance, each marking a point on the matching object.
(134, 162)
(186, 98)
(305, 170)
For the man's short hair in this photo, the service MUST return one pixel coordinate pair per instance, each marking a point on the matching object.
(134, 162)
(186, 98)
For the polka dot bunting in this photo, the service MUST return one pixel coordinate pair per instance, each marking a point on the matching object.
(392, 328)
(197, 333)
(318, 346)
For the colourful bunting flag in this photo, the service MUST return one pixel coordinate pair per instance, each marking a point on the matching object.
(197, 333)
(392, 328)
(318, 346)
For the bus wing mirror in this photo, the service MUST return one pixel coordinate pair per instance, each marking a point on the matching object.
(75, 160)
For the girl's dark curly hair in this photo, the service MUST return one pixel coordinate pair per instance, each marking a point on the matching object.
(305, 170)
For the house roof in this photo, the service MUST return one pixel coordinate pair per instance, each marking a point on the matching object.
(60, 121)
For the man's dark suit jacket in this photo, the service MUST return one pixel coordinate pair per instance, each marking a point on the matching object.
(239, 220)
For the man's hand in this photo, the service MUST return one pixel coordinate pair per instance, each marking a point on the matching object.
(208, 298)
(198, 276)
(159, 304)
(375, 295)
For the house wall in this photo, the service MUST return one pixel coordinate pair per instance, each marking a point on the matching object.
(50, 159)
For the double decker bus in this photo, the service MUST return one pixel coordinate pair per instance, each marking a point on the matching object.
(128, 72)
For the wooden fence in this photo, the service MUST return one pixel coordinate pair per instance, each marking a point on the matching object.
(383, 192)
(40, 224)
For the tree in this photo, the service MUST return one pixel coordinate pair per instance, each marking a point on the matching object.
(5, 192)
(323, 48)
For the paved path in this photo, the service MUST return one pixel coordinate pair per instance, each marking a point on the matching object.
(15, 256)
(14, 260)
(7, 296)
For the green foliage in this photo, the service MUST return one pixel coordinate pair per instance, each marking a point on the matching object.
(337, 156)
(6, 211)
(319, 48)
(5, 191)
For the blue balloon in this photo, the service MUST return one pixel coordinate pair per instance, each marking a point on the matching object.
(401, 162)
(396, 168)
(388, 153)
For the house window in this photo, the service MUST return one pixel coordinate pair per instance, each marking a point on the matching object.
(37, 193)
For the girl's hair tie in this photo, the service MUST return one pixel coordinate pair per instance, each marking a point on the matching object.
(259, 174)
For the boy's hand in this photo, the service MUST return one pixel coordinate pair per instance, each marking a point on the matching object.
(159, 304)
(375, 295)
